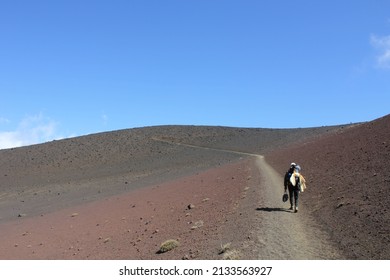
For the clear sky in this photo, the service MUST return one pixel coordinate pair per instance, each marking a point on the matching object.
(75, 67)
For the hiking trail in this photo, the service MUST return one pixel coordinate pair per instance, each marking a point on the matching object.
(279, 233)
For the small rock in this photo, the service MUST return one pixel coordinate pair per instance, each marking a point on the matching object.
(74, 215)
(191, 206)
(198, 224)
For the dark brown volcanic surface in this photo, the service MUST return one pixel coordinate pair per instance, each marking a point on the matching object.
(43, 178)
(129, 190)
(349, 183)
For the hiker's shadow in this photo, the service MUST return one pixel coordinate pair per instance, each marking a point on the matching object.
(272, 209)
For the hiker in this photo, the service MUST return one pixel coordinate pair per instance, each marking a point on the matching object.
(295, 183)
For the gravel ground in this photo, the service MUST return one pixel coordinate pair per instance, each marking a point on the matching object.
(119, 195)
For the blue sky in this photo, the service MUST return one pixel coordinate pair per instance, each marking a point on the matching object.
(69, 68)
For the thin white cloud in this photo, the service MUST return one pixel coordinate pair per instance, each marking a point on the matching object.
(10, 139)
(382, 44)
(31, 130)
(104, 119)
(4, 120)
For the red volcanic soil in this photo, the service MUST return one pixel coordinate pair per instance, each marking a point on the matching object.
(191, 210)
(348, 185)
(119, 195)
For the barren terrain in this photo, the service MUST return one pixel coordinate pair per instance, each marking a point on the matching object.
(119, 195)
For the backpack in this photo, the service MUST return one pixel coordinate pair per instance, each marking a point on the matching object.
(295, 180)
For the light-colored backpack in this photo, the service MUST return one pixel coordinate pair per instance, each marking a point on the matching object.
(297, 179)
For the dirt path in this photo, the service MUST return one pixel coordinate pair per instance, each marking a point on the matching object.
(282, 234)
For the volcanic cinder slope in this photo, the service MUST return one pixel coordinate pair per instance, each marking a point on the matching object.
(118, 195)
(349, 183)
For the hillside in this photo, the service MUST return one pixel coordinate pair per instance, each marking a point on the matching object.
(69, 172)
(349, 182)
(157, 171)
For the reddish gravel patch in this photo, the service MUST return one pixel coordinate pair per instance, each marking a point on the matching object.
(133, 225)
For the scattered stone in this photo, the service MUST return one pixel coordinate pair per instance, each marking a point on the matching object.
(191, 206)
(74, 215)
(168, 246)
(231, 255)
(224, 248)
(198, 224)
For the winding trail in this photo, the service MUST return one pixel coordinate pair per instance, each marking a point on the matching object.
(281, 234)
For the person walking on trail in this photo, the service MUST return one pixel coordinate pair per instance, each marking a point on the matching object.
(295, 183)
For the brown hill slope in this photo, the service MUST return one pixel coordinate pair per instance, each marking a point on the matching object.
(348, 185)
(51, 176)
(39, 181)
